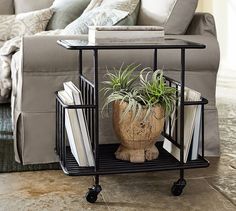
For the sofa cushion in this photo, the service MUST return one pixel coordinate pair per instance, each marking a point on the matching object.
(98, 16)
(31, 5)
(1, 43)
(131, 6)
(6, 7)
(66, 11)
(5, 22)
(174, 15)
(30, 23)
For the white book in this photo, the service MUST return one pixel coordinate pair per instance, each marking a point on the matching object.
(75, 93)
(196, 134)
(73, 131)
(124, 36)
(189, 124)
(127, 28)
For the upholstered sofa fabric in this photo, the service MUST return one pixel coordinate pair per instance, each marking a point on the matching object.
(103, 13)
(97, 16)
(1, 43)
(30, 23)
(66, 11)
(41, 70)
(22, 6)
(6, 7)
(131, 6)
(6, 22)
(174, 15)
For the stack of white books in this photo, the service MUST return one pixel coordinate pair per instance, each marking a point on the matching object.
(125, 34)
(192, 128)
(76, 126)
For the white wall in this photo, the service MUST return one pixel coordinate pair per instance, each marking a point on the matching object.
(224, 12)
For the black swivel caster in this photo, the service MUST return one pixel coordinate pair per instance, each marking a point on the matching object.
(92, 194)
(178, 187)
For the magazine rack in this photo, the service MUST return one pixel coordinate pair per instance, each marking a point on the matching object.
(105, 161)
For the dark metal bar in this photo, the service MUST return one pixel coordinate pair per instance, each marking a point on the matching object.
(173, 81)
(155, 60)
(176, 113)
(87, 81)
(96, 179)
(181, 174)
(202, 127)
(182, 106)
(166, 45)
(170, 120)
(96, 100)
(60, 131)
(92, 120)
(56, 119)
(63, 137)
(203, 101)
(80, 62)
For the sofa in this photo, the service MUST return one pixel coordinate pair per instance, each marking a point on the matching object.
(41, 66)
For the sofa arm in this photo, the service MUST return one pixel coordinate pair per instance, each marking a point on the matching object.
(202, 24)
(44, 66)
(43, 54)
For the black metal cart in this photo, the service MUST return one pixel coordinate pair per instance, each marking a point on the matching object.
(105, 162)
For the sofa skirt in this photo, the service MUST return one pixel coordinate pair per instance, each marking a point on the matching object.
(35, 130)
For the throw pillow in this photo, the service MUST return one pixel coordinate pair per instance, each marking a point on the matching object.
(174, 15)
(66, 11)
(24, 24)
(5, 23)
(131, 6)
(30, 23)
(98, 16)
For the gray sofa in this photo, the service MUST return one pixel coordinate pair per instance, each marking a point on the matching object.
(41, 66)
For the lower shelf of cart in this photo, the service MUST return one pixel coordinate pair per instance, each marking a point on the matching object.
(108, 164)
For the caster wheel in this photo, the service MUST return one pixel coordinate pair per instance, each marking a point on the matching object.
(178, 187)
(92, 194)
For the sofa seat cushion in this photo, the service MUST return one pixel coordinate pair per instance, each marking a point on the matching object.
(6, 7)
(174, 15)
(66, 11)
(22, 6)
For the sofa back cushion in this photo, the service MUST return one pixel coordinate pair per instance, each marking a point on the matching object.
(22, 6)
(6, 7)
(174, 15)
(66, 11)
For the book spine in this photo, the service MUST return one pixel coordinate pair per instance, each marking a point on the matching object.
(125, 36)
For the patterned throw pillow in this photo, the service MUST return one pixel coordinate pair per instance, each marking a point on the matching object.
(97, 16)
(124, 5)
(105, 13)
(24, 24)
(30, 23)
(66, 11)
(5, 23)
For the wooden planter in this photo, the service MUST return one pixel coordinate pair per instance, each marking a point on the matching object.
(137, 138)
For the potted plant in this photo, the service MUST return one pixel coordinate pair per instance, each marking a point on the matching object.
(141, 101)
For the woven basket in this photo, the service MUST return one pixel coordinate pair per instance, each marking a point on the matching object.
(137, 138)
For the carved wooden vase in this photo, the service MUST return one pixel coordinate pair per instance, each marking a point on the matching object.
(137, 137)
